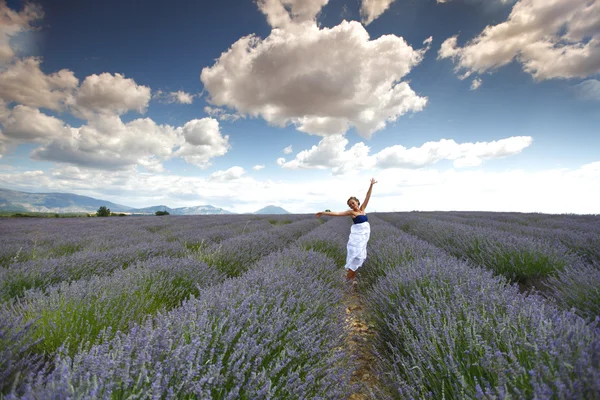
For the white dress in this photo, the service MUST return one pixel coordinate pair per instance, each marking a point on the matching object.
(357, 245)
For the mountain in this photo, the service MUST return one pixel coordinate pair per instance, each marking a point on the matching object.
(15, 201)
(12, 200)
(195, 210)
(272, 210)
(199, 210)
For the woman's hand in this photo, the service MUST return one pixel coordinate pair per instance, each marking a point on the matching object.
(373, 181)
(319, 214)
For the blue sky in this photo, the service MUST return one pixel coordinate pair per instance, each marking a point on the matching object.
(451, 105)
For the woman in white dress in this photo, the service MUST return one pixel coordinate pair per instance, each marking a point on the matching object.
(359, 232)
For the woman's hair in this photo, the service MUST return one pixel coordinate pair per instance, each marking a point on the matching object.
(353, 198)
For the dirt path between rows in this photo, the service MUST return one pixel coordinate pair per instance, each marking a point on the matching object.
(359, 339)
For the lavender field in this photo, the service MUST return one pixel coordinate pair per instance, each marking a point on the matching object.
(454, 305)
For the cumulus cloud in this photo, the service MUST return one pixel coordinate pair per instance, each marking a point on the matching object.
(203, 141)
(12, 23)
(463, 154)
(230, 174)
(109, 94)
(282, 13)
(371, 9)
(280, 161)
(106, 142)
(24, 82)
(287, 150)
(258, 167)
(332, 153)
(26, 124)
(294, 77)
(476, 83)
(589, 89)
(182, 97)
(550, 38)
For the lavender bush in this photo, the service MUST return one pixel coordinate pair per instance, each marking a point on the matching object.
(516, 257)
(273, 333)
(234, 256)
(73, 314)
(577, 287)
(41, 273)
(16, 359)
(448, 330)
(579, 238)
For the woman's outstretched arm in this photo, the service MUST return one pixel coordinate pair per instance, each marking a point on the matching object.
(334, 213)
(368, 196)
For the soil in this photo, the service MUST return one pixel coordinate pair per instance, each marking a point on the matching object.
(359, 339)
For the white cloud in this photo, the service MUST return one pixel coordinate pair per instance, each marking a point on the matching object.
(230, 174)
(293, 77)
(567, 190)
(25, 124)
(476, 83)
(109, 95)
(550, 38)
(179, 96)
(24, 82)
(282, 13)
(12, 23)
(258, 167)
(106, 142)
(371, 9)
(182, 97)
(203, 142)
(331, 153)
(287, 150)
(589, 89)
(280, 161)
(463, 154)
(221, 114)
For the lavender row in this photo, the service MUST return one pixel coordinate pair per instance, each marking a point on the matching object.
(275, 332)
(516, 257)
(450, 330)
(74, 314)
(16, 357)
(584, 243)
(28, 239)
(234, 256)
(40, 273)
(573, 222)
(118, 249)
(577, 288)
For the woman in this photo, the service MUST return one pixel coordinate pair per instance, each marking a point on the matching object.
(359, 233)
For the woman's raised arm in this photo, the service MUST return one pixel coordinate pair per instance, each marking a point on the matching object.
(368, 196)
(334, 213)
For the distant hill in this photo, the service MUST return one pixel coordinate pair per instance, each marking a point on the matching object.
(195, 210)
(15, 201)
(12, 200)
(200, 210)
(272, 210)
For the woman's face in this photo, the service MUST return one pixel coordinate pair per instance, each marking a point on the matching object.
(353, 204)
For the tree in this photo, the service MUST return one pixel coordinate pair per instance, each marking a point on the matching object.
(162, 212)
(103, 212)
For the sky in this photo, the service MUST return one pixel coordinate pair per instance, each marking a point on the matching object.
(467, 105)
